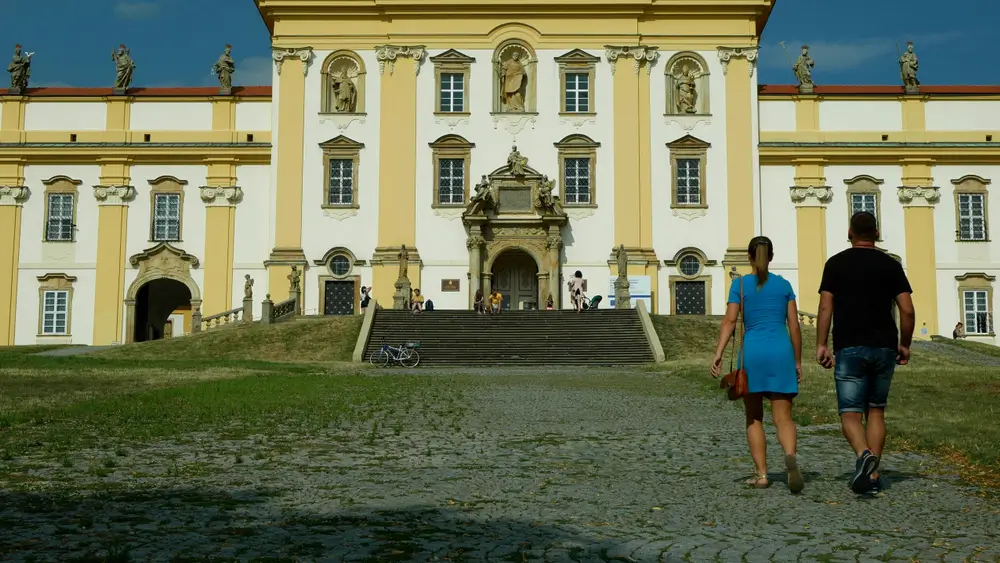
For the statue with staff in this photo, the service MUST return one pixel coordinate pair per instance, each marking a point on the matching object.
(802, 68)
(908, 66)
(20, 70)
(124, 67)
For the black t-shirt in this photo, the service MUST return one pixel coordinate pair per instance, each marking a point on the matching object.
(864, 283)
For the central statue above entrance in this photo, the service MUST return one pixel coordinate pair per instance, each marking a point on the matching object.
(514, 212)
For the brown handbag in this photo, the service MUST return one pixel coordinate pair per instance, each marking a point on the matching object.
(735, 382)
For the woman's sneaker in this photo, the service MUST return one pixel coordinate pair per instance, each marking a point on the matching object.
(861, 481)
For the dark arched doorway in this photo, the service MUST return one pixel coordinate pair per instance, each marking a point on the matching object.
(156, 303)
(515, 275)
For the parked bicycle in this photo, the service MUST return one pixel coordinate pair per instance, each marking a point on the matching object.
(405, 355)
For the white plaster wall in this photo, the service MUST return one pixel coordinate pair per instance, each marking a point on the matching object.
(140, 212)
(82, 307)
(672, 231)
(890, 221)
(430, 285)
(171, 116)
(65, 116)
(322, 231)
(777, 115)
(981, 115)
(860, 116)
(779, 221)
(253, 116)
(970, 256)
(34, 250)
(252, 241)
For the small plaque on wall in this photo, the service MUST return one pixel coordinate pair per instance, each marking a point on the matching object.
(449, 285)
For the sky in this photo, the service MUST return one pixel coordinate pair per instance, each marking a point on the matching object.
(176, 42)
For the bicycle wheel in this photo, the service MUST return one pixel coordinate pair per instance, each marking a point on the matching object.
(380, 358)
(410, 359)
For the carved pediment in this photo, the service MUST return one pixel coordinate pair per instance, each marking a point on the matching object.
(164, 254)
(515, 189)
(454, 57)
(689, 142)
(341, 142)
(578, 56)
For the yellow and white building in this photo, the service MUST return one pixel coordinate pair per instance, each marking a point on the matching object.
(120, 215)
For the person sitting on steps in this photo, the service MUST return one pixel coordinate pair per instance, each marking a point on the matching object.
(550, 303)
(479, 303)
(417, 301)
(496, 300)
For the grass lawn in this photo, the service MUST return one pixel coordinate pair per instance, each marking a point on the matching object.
(938, 403)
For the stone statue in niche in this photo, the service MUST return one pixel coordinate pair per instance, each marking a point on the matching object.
(803, 69)
(225, 68)
(908, 66)
(20, 70)
(685, 88)
(343, 90)
(124, 67)
(513, 80)
(516, 162)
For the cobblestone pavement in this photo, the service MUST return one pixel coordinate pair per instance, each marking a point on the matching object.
(505, 467)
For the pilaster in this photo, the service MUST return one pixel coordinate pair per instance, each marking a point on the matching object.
(112, 229)
(398, 66)
(810, 219)
(633, 193)
(921, 260)
(220, 233)
(12, 119)
(292, 66)
(11, 200)
(738, 65)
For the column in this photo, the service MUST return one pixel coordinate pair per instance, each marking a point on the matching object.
(554, 245)
(810, 218)
(738, 65)
(11, 200)
(918, 197)
(475, 244)
(113, 196)
(292, 65)
(633, 160)
(399, 66)
(220, 233)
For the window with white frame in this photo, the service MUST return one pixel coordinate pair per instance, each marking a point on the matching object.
(451, 181)
(55, 312)
(864, 202)
(452, 92)
(59, 223)
(166, 217)
(577, 180)
(577, 92)
(341, 188)
(971, 216)
(688, 181)
(978, 319)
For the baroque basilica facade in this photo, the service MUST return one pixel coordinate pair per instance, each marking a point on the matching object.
(499, 152)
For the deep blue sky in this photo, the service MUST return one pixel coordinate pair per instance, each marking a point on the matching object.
(175, 42)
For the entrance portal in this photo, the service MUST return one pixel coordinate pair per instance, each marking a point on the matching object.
(515, 275)
(155, 303)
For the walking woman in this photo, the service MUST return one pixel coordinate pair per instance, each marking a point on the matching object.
(772, 357)
(576, 290)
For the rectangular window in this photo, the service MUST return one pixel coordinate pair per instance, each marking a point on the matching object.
(451, 181)
(59, 226)
(167, 217)
(341, 182)
(688, 181)
(452, 92)
(55, 312)
(978, 319)
(577, 180)
(577, 93)
(863, 202)
(971, 217)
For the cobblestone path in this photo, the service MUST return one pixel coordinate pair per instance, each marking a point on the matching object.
(509, 467)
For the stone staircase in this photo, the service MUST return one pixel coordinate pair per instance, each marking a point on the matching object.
(464, 338)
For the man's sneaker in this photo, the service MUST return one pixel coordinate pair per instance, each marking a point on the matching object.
(876, 486)
(861, 481)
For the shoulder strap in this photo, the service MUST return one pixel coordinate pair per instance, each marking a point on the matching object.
(738, 332)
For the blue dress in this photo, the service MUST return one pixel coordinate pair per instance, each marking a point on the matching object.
(767, 353)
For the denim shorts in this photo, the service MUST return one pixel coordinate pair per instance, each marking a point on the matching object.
(863, 376)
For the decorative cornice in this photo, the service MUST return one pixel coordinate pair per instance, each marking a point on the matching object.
(639, 53)
(811, 196)
(13, 195)
(135, 259)
(919, 196)
(389, 53)
(227, 196)
(304, 54)
(726, 54)
(114, 195)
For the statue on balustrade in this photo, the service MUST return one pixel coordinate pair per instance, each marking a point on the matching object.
(20, 70)
(124, 67)
(248, 288)
(803, 69)
(225, 68)
(908, 67)
(404, 262)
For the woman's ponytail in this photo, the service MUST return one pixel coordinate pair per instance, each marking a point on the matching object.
(761, 252)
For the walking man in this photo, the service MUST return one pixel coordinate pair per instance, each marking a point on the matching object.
(857, 293)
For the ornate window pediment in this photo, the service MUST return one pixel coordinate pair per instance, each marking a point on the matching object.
(341, 161)
(689, 178)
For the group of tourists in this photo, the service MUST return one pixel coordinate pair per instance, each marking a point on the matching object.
(858, 290)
